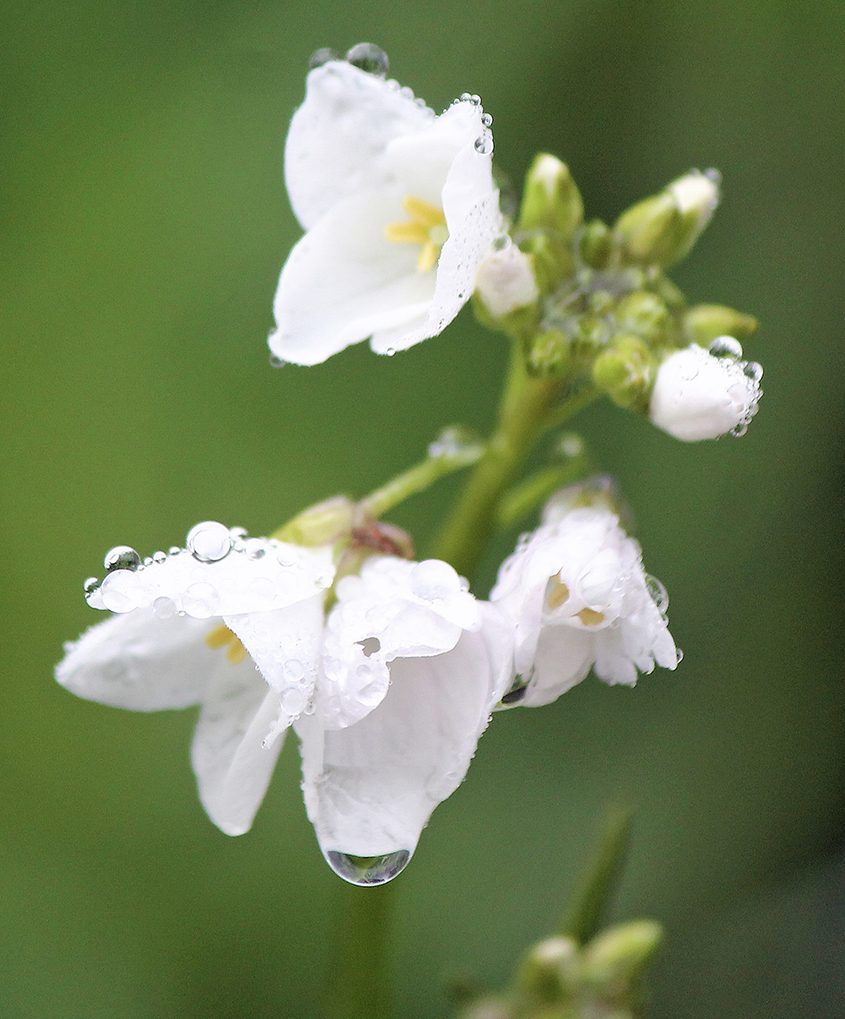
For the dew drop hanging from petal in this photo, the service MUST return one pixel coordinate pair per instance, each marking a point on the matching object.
(368, 870)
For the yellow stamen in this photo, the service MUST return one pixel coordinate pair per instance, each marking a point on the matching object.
(557, 595)
(222, 637)
(589, 617)
(425, 225)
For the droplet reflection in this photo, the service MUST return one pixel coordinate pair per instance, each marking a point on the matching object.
(368, 870)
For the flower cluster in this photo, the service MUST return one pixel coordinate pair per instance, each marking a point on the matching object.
(388, 669)
(388, 688)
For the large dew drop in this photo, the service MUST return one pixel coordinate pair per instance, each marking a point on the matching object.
(368, 870)
(369, 58)
(209, 541)
(121, 557)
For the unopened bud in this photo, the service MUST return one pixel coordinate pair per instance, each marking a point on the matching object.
(596, 243)
(553, 260)
(619, 956)
(547, 972)
(600, 491)
(704, 394)
(663, 228)
(551, 200)
(704, 322)
(550, 353)
(643, 313)
(322, 524)
(505, 282)
(625, 371)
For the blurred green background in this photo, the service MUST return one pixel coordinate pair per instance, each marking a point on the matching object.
(144, 222)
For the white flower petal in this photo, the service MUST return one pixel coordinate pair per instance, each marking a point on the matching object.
(232, 765)
(285, 645)
(139, 662)
(563, 658)
(370, 788)
(272, 575)
(344, 281)
(338, 136)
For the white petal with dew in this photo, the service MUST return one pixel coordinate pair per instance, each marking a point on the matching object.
(232, 765)
(140, 662)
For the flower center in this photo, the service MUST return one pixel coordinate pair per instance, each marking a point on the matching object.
(425, 225)
(557, 594)
(222, 637)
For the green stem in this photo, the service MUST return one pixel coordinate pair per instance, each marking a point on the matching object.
(360, 978)
(527, 410)
(457, 452)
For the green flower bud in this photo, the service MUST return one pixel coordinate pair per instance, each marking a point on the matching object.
(551, 200)
(550, 353)
(553, 261)
(619, 956)
(625, 371)
(645, 314)
(596, 243)
(592, 336)
(704, 322)
(548, 971)
(322, 524)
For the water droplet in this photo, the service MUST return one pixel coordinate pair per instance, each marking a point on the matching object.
(368, 870)
(159, 557)
(452, 442)
(484, 144)
(390, 351)
(657, 592)
(726, 346)
(475, 100)
(433, 579)
(277, 362)
(90, 585)
(209, 541)
(255, 548)
(487, 120)
(238, 532)
(369, 57)
(174, 550)
(465, 97)
(293, 670)
(753, 370)
(501, 242)
(121, 557)
(164, 608)
(321, 56)
(148, 560)
(200, 600)
(679, 655)
(406, 92)
(116, 591)
(739, 430)
(293, 700)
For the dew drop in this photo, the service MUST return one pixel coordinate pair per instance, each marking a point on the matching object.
(370, 58)
(148, 560)
(277, 362)
(116, 591)
(90, 585)
(159, 557)
(484, 144)
(753, 370)
(209, 541)
(121, 557)
(487, 120)
(390, 351)
(293, 670)
(465, 97)
(164, 608)
(174, 550)
(726, 346)
(657, 592)
(406, 92)
(293, 701)
(679, 655)
(433, 579)
(200, 600)
(321, 56)
(368, 870)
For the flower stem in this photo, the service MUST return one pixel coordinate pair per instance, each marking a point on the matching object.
(360, 979)
(528, 408)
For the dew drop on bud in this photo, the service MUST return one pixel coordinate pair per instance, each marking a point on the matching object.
(121, 557)
(726, 346)
(209, 541)
(90, 585)
(368, 870)
(753, 370)
(321, 56)
(370, 58)
(484, 144)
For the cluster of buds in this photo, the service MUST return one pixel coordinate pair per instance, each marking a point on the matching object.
(591, 303)
(560, 979)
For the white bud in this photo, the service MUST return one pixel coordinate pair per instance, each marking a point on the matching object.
(506, 282)
(697, 194)
(700, 396)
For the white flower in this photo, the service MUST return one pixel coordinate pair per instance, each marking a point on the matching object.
(697, 194)
(506, 281)
(182, 626)
(413, 666)
(399, 208)
(579, 599)
(704, 394)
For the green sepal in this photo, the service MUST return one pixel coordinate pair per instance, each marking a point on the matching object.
(626, 372)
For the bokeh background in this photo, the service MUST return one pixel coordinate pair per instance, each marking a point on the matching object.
(143, 226)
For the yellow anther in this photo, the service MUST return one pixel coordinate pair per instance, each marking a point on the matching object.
(589, 617)
(222, 637)
(558, 594)
(425, 225)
